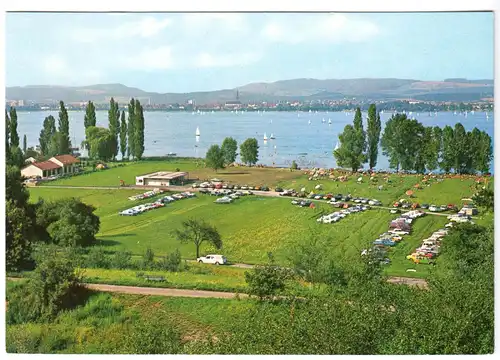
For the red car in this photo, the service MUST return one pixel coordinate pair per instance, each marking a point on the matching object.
(396, 204)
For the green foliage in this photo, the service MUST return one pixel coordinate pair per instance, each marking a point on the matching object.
(49, 129)
(101, 143)
(460, 149)
(121, 260)
(7, 136)
(58, 144)
(249, 151)
(114, 126)
(18, 234)
(229, 148)
(138, 130)
(123, 135)
(294, 165)
(69, 222)
(214, 158)
(146, 337)
(265, 281)
(172, 262)
(374, 126)
(16, 157)
(14, 137)
(485, 198)
(63, 141)
(52, 287)
(25, 144)
(308, 258)
(131, 129)
(347, 155)
(197, 232)
(89, 119)
(448, 156)
(97, 258)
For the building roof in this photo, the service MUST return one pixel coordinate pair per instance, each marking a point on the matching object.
(45, 165)
(164, 175)
(66, 159)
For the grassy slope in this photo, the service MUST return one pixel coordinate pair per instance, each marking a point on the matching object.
(111, 177)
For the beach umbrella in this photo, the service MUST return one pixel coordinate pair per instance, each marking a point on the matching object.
(417, 186)
(318, 187)
(303, 189)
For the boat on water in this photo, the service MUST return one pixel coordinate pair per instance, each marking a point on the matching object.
(309, 122)
(323, 121)
(265, 137)
(171, 154)
(329, 121)
(197, 131)
(337, 146)
(272, 137)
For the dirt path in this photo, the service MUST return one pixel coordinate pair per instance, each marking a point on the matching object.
(163, 291)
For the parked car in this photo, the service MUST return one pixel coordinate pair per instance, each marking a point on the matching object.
(395, 211)
(443, 208)
(224, 200)
(212, 259)
(295, 202)
(424, 206)
(433, 208)
(399, 232)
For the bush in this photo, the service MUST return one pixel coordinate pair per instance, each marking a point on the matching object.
(265, 281)
(97, 258)
(172, 262)
(121, 260)
(294, 165)
(148, 260)
(146, 337)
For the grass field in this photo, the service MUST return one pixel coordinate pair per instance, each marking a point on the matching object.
(390, 192)
(236, 175)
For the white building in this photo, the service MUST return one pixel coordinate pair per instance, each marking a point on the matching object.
(162, 178)
(57, 165)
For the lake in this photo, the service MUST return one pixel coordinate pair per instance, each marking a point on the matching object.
(303, 136)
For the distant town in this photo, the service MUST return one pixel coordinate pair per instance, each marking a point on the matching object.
(314, 105)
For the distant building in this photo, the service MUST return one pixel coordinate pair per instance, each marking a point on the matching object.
(232, 104)
(161, 178)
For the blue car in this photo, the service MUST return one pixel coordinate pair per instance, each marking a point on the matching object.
(384, 242)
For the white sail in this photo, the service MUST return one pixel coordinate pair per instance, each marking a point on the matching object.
(329, 121)
(197, 131)
(265, 136)
(337, 146)
(309, 122)
(272, 136)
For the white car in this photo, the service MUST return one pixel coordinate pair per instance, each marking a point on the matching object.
(399, 232)
(212, 259)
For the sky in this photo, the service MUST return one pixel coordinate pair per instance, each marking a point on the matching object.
(185, 52)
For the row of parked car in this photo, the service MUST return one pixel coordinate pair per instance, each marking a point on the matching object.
(146, 195)
(432, 208)
(336, 216)
(429, 249)
(398, 228)
(226, 192)
(210, 185)
(139, 209)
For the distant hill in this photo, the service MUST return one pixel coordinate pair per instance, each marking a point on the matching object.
(296, 89)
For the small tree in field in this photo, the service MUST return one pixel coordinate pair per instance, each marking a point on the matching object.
(214, 158)
(197, 232)
(264, 281)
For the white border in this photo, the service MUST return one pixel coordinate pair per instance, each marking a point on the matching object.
(255, 6)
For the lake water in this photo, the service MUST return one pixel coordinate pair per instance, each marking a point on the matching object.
(303, 137)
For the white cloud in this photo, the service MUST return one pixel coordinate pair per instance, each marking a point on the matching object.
(159, 58)
(207, 22)
(205, 60)
(319, 28)
(145, 27)
(55, 65)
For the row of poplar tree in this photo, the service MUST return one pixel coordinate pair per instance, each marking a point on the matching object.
(126, 137)
(411, 146)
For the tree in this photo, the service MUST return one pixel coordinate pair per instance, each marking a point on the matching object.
(58, 144)
(101, 143)
(7, 136)
(433, 147)
(131, 129)
(18, 235)
(360, 144)
(346, 155)
(460, 145)
(214, 158)
(65, 143)
(249, 151)
(485, 198)
(49, 129)
(308, 259)
(14, 137)
(197, 232)
(373, 135)
(89, 120)
(53, 287)
(16, 157)
(15, 189)
(448, 157)
(114, 125)
(25, 144)
(69, 222)
(138, 130)
(123, 135)
(264, 281)
(228, 149)
(483, 156)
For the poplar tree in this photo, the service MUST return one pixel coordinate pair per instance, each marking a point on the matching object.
(138, 130)
(14, 137)
(114, 126)
(123, 135)
(373, 134)
(64, 143)
(89, 120)
(25, 144)
(131, 129)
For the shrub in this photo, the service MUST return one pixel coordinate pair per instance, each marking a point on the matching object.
(121, 260)
(294, 165)
(148, 259)
(265, 281)
(172, 262)
(146, 337)
(97, 258)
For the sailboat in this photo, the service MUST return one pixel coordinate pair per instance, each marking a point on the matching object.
(272, 137)
(323, 121)
(265, 137)
(198, 131)
(329, 121)
(337, 146)
(309, 122)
